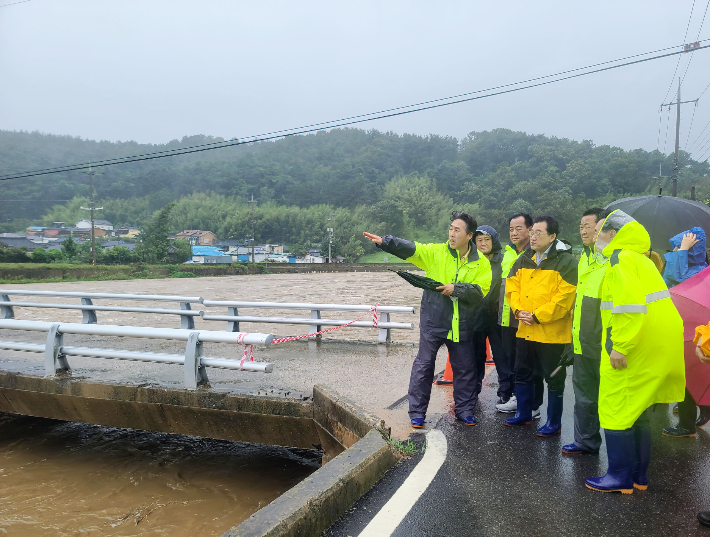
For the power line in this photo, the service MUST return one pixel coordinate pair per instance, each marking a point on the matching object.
(392, 112)
(699, 30)
(691, 125)
(700, 135)
(678, 62)
(668, 120)
(15, 3)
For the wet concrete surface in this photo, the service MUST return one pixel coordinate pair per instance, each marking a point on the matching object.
(503, 481)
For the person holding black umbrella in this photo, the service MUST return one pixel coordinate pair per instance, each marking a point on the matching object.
(447, 313)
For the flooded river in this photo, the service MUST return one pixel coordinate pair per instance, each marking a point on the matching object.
(68, 479)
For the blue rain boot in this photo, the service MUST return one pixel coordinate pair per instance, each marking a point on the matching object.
(642, 442)
(554, 415)
(621, 452)
(524, 393)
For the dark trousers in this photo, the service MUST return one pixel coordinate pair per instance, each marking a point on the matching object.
(508, 335)
(585, 379)
(687, 411)
(504, 361)
(535, 359)
(463, 365)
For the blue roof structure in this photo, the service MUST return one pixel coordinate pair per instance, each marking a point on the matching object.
(208, 250)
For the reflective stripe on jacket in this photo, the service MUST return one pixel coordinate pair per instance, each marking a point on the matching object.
(587, 324)
(547, 291)
(451, 317)
(640, 321)
(505, 315)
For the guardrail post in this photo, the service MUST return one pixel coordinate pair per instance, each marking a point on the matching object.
(195, 374)
(385, 334)
(6, 312)
(186, 322)
(54, 361)
(232, 326)
(88, 316)
(315, 314)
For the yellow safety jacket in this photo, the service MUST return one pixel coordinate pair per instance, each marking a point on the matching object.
(505, 315)
(452, 317)
(587, 323)
(545, 290)
(640, 321)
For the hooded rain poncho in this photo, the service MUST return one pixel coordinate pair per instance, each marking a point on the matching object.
(640, 321)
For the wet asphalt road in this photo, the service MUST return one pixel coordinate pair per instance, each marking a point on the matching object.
(502, 481)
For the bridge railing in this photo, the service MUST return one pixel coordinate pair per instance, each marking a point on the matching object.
(89, 309)
(315, 322)
(193, 361)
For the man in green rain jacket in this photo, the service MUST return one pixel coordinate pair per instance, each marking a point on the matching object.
(642, 351)
(587, 340)
(448, 315)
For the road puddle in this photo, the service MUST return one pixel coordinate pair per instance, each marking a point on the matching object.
(67, 479)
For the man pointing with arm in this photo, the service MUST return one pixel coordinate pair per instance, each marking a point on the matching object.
(447, 315)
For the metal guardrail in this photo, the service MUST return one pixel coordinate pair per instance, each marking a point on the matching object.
(195, 375)
(315, 322)
(89, 309)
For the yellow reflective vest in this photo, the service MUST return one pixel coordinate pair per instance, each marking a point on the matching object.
(505, 315)
(640, 321)
(587, 323)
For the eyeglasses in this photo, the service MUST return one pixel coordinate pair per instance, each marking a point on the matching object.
(538, 233)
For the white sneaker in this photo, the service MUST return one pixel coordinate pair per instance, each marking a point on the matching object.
(536, 414)
(509, 407)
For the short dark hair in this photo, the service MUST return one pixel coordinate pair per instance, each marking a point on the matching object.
(526, 216)
(469, 220)
(552, 226)
(596, 211)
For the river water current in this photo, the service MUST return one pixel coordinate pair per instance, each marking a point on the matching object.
(67, 479)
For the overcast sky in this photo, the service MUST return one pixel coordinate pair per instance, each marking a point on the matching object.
(156, 70)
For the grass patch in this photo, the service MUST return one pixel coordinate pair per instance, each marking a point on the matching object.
(379, 257)
(405, 447)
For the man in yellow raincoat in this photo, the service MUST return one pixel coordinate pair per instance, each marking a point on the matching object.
(642, 351)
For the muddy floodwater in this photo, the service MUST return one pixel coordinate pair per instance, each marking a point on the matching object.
(69, 479)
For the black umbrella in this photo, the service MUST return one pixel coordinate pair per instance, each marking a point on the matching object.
(419, 281)
(664, 216)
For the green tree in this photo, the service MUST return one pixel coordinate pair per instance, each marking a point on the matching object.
(155, 238)
(184, 251)
(69, 249)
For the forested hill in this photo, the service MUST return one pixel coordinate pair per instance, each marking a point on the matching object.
(405, 184)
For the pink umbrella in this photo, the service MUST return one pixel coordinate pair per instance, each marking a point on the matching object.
(692, 298)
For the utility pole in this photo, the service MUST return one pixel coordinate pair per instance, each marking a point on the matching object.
(330, 238)
(253, 259)
(91, 208)
(674, 176)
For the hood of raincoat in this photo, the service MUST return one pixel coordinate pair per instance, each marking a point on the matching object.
(630, 236)
(696, 255)
(489, 230)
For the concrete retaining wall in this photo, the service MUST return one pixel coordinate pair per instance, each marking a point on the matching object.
(355, 450)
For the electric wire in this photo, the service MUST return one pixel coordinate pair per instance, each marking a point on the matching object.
(660, 122)
(700, 135)
(678, 62)
(171, 152)
(15, 3)
(392, 112)
(667, 123)
(700, 30)
(704, 147)
(691, 125)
